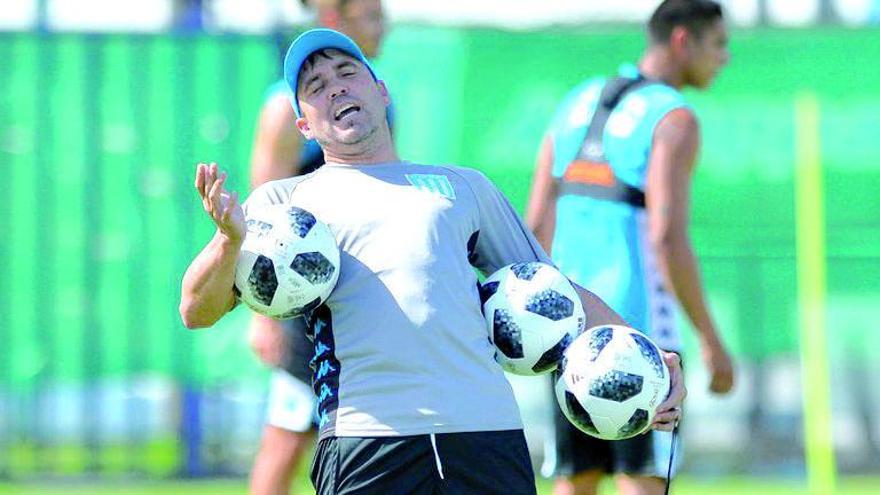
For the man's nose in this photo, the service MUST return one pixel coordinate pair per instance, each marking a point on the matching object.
(338, 91)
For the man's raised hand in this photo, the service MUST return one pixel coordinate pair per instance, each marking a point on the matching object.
(221, 205)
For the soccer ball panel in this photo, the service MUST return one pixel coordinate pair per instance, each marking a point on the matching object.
(550, 304)
(578, 415)
(550, 359)
(301, 221)
(616, 386)
(637, 423)
(488, 290)
(650, 353)
(507, 334)
(313, 266)
(525, 271)
(598, 340)
(262, 281)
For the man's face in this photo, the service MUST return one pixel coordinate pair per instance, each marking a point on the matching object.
(364, 22)
(340, 102)
(707, 55)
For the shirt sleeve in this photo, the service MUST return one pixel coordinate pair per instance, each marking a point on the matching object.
(502, 238)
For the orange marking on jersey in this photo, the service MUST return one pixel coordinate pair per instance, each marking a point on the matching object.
(587, 172)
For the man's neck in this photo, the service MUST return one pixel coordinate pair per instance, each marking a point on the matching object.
(382, 152)
(657, 63)
(361, 158)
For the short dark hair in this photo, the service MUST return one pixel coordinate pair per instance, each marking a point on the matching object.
(693, 15)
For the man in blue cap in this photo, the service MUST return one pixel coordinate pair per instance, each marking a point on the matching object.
(410, 398)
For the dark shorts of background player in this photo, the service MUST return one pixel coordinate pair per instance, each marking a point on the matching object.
(577, 452)
(495, 462)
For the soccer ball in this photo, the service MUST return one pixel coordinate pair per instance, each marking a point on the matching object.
(610, 381)
(289, 262)
(532, 312)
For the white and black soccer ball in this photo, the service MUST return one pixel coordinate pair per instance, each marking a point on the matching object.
(289, 262)
(610, 381)
(532, 312)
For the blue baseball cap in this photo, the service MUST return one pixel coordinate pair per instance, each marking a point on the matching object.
(310, 42)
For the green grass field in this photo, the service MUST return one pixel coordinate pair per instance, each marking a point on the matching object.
(684, 486)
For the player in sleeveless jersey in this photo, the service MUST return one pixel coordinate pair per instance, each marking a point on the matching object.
(611, 198)
(410, 398)
(280, 151)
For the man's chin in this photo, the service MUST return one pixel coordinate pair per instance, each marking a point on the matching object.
(350, 136)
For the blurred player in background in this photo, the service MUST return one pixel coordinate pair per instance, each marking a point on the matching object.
(280, 152)
(611, 199)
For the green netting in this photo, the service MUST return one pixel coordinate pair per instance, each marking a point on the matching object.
(99, 134)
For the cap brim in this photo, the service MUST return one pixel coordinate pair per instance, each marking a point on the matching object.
(307, 44)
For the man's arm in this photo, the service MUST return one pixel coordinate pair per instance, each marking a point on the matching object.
(206, 293)
(668, 189)
(541, 209)
(277, 147)
(669, 412)
(504, 238)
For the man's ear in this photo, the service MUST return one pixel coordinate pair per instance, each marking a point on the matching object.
(679, 40)
(303, 125)
(383, 90)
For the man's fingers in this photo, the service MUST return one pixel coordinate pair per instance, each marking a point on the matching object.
(676, 397)
(669, 416)
(669, 412)
(214, 194)
(663, 426)
(669, 404)
(230, 206)
(677, 393)
(210, 177)
(666, 420)
(672, 359)
(200, 179)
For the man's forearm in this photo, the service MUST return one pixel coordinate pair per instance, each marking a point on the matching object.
(680, 269)
(206, 292)
(596, 311)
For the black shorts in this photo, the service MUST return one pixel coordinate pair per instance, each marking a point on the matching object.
(573, 452)
(495, 462)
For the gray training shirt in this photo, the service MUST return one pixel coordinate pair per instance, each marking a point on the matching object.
(401, 347)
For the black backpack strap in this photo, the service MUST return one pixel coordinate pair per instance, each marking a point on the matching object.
(590, 174)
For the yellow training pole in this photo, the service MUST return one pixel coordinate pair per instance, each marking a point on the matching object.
(811, 267)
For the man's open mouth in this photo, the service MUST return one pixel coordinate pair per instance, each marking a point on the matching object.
(345, 111)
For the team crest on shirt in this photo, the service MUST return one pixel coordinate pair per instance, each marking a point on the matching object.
(435, 184)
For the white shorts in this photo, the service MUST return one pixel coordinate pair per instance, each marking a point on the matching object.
(291, 403)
